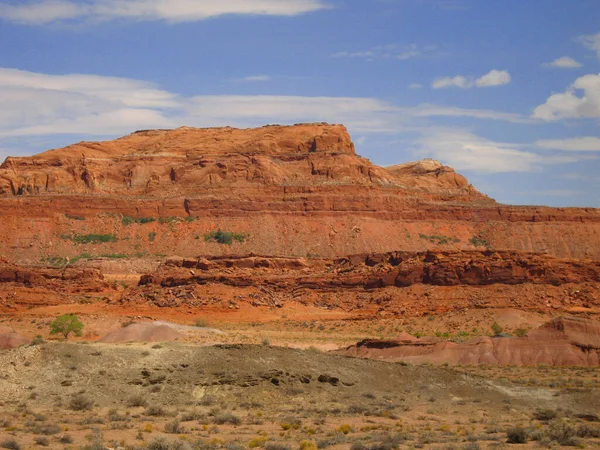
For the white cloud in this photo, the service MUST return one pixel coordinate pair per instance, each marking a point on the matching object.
(463, 150)
(40, 12)
(391, 51)
(415, 86)
(360, 114)
(591, 41)
(569, 104)
(426, 110)
(457, 81)
(579, 144)
(42, 104)
(254, 78)
(492, 78)
(564, 62)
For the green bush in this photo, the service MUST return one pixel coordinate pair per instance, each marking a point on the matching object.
(497, 329)
(128, 220)
(224, 237)
(66, 324)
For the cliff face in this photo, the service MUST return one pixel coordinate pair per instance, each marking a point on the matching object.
(288, 190)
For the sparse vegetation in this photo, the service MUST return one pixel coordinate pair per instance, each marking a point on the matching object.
(439, 240)
(66, 324)
(128, 220)
(224, 237)
(517, 435)
(81, 403)
(10, 444)
(90, 238)
(478, 241)
(497, 329)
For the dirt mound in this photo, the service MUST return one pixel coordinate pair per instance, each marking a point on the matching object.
(12, 340)
(565, 341)
(142, 332)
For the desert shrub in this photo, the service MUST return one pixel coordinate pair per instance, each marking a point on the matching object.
(472, 446)
(521, 332)
(258, 441)
(224, 237)
(308, 445)
(173, 427)
(545, 414)
(159, 444)
(277, 446)
(189, 416)
(66, 324)
(92, 421)
(42, 440)
(345, 429)
(358, 446)
(10, 444)
(588, 431)
(221, 419)
(200, 323)
(152, 236)
(66, 439)
(517, 435)
(47, 430)
(136, 401)
(128, 220)
(81, 403)
(497, 329)
(155, 410)
(562, 432)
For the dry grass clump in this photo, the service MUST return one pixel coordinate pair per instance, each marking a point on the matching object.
(81, 403)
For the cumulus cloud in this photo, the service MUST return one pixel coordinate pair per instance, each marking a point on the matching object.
(492, 78)
(578, 144)
(40, 12)
(457, 81)
(415, 86)
(592, 41)
(564, 62)
(580, 100)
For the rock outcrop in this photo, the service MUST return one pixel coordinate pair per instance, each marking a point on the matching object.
(564, 341)
(296, 191)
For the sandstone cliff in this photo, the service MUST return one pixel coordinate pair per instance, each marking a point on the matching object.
(289, 190)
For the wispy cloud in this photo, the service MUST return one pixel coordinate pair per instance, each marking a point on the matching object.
(415, 86)
(492, 78)
(570, 104)
(464, 150)
(564, 62)
(391, 51)
(41, 12)
(37, 104)
(578, 144)
(591, 41)
(253, 78)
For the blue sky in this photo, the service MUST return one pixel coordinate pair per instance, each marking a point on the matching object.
(505, 91)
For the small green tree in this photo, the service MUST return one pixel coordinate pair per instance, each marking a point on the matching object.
(497, 329)
(66, 324)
